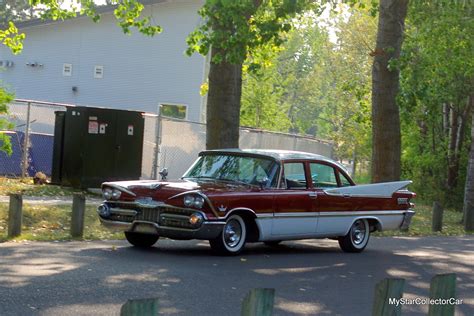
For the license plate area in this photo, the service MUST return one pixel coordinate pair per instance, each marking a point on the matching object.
(145, 228)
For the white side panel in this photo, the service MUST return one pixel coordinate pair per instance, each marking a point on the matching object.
(385, 189)
(294, 225)
(265, 228)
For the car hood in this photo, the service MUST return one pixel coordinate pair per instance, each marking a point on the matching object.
(161, 191)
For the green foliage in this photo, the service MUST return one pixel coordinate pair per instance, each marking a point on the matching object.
(238, 29)
(315, 86)
(12, 39)
(5, 144)
(437, 73)
(16, 10)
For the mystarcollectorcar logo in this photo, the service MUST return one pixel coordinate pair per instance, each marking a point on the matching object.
(424, 301)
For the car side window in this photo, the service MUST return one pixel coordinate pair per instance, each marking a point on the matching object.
(294, 177)
(323, 176)
(344, 181)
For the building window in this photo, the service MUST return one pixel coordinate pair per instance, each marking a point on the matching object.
(178, 111)
(99, 72)
(67, 70)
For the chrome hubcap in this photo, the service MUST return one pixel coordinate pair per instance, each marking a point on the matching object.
(232, 233)
(358, 232)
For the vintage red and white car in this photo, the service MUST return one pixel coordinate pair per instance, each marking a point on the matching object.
(231, 197)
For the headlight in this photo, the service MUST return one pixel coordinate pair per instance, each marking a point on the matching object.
(188, 200)
(195, 201)
(107, 193)
(116, 194)
(198, 201)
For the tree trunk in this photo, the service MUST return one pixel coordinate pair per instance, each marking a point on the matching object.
(386, 139)
(469, 188)
(223, 105)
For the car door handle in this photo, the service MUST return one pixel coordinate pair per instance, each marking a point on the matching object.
(313, 195)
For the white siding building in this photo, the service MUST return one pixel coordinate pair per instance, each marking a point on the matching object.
(95, 64)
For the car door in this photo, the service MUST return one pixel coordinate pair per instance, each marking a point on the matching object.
(294, 214)
(335, 211)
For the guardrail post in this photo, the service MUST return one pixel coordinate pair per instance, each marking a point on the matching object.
(387, 293)
(15, 215)
(143, 307)
(258, 302)
(437, 220)
(443, 286)
(77, 218)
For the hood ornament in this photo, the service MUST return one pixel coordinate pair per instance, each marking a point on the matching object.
(222, 208)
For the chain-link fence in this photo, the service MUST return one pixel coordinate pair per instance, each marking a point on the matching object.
(167, 143)
(32, 138)
(181, 141)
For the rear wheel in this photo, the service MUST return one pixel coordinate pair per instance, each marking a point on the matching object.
(231, 240)
(357, 238)
(141, 240)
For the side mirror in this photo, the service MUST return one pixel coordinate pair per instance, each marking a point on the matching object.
(163, 173)
(263, 182)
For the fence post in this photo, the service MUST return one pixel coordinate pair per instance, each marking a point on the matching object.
(77, 218)
(443, 286)
(158, 139)
(143, 307)
(26, 143)
(15, 215)
(384, 291)
(437, 219)
(258, 302)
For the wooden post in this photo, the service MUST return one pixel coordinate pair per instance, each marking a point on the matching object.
(15, 215)
(437, 219)
(143, 307)
(443, 286)
(77, 219)
(258, 302)
(387, 292)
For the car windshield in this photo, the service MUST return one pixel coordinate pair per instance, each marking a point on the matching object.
(241, 169)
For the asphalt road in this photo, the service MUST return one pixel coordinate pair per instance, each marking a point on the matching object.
(310, 277)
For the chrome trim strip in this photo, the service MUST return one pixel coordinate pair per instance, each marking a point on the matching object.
(297, 214)
(362, 213)
(175, 216)
(121, 211)
(229, 213)
(118, 187)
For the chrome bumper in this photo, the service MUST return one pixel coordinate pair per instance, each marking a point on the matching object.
(407, 220)
(207, 230)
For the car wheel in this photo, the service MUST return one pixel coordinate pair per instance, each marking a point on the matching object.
(141, 240)
(231, 240)
(357, 238)
(272, 243)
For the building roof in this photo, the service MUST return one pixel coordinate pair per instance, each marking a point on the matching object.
(100, 10)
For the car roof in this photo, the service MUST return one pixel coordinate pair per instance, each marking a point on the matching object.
(276, 154)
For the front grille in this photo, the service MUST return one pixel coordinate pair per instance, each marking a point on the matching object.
(149, 215)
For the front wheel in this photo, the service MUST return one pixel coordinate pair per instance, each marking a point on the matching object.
(231, 240)
(357, 238)
(141, 240)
